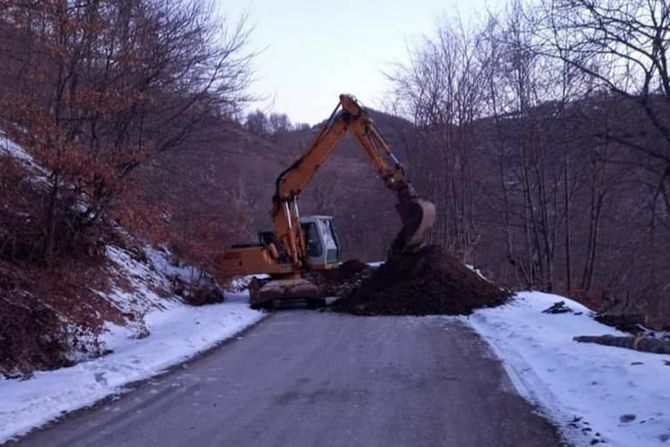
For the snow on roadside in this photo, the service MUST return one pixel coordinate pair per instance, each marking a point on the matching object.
(177, 334)
(144, 281)
(164, 332)
(595, 393)
(161, 262)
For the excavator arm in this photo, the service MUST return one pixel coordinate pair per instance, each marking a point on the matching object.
(417, 215)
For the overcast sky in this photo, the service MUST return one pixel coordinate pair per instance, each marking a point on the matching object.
(313, 49)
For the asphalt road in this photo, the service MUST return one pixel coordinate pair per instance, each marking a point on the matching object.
(303, 378)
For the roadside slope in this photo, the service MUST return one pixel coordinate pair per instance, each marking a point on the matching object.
(108, 311)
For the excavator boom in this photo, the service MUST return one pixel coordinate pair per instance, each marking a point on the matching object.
(417, 215)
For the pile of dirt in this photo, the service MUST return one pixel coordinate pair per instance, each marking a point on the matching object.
(347, 276)
(350, 269)
(428, 282)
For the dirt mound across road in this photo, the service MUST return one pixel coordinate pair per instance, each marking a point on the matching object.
(428, 282)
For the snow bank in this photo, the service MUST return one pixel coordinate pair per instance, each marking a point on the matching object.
(177, 334)
(595, 393)
(160, 260)
(145, 281)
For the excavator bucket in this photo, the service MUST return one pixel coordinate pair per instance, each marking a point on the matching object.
(417, 217)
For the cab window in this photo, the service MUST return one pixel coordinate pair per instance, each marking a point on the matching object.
(312, 241)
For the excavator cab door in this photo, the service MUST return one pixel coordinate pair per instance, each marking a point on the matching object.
(323, 249)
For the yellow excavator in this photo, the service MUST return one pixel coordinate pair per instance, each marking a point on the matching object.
(300, 247)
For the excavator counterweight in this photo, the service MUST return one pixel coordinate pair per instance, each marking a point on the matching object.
(302, 246)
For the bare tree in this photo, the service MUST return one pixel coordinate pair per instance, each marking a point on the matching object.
(111, 84)
(623, 47)
(442, 89)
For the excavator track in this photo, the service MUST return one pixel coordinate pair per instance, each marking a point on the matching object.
(277, 293)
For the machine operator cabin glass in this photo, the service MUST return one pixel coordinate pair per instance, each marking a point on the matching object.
(312, 239)
(329, 240)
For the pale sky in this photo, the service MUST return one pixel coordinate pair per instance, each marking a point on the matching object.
(314, 50)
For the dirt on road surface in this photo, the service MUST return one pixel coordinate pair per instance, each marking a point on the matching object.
(305, 378)
(428, 282)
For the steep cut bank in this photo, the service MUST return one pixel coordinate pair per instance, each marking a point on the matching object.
(428, 282)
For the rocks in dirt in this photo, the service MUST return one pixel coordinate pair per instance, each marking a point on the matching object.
(348, 275)
(428, 282)
(199, 292)
(644, 344)
(201, 296)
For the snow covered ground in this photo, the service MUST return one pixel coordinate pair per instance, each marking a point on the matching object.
(177, 334)
(595, 393)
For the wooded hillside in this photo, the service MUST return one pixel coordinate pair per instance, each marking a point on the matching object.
(545, 149)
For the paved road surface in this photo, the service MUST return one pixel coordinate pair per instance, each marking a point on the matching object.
(304, 378)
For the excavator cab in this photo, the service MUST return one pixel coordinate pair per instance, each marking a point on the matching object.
(322, 249)
(322, 245)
